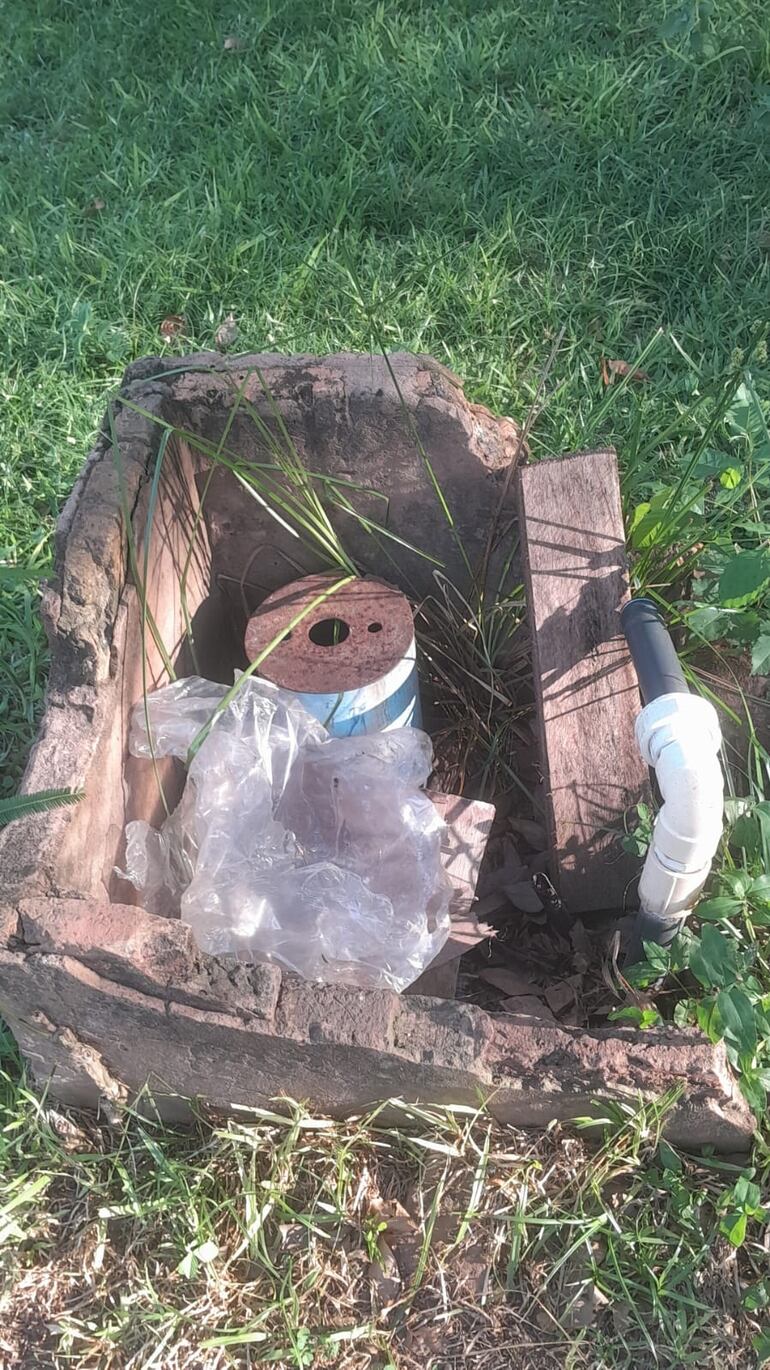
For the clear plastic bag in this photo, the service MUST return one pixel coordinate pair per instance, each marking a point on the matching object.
(320, 853)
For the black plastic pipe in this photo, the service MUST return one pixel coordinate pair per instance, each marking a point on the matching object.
(659, 673)
(652, 651)
(651, 927)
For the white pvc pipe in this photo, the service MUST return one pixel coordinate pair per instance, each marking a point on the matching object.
(679, 735)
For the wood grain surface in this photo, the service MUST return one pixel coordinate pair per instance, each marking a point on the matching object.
(587, 696)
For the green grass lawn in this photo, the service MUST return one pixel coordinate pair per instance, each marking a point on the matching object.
(476, 181)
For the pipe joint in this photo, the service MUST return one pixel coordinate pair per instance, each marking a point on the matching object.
(685, 719)
(679, 735)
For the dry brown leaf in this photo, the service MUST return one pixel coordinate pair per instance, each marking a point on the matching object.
(420, 1196)
(71, 1135)
(573, 1018)
(426, 1342)
(581, 942)
(510, 981)
(545, 1320)
(560, 997)
(383, 1276)
(227, 331)
(614, 370)
(621, 1316)
(509, 868)
(293, 1237)
(540, 863)
(471, 1269)
(486, 907)
(534, 834)
(401, 1235)
(528, 1004)
(172, 326)
(523, 896)
(585, 1309)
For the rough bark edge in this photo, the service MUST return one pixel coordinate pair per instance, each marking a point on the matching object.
(527, 1072)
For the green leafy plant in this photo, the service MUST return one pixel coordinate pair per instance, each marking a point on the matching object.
(373, 1230)
(721, 976)
(741, 897)
(703, 539)
(690, 25)
(731, 593)
(761, 1347)
(22, 805)
(637, 1016)
(740, 1205)
(757, 1296)
(637, 839)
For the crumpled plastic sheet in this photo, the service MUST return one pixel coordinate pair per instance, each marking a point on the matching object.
(320, 853)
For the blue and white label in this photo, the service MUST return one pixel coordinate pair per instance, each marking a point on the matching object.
(393, 701)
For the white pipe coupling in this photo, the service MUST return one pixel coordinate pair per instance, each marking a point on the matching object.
(679, 735)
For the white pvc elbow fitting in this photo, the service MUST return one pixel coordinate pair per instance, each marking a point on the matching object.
(679, 735)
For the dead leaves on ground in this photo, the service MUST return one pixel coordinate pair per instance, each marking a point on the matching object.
(432, 1268)
(173, 326)
(404, 1231)
(398, 1244)
(510, 982)
(227, 332)
(619, 370)
(538, 964)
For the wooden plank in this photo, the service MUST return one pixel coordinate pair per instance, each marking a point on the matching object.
(469, 822)
(586, 691)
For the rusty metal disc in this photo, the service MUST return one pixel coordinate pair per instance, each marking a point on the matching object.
(355, 636)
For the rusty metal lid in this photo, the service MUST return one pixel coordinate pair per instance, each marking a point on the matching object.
(356, 636)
